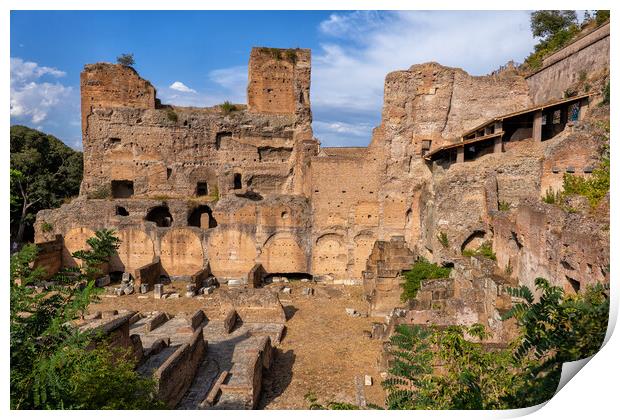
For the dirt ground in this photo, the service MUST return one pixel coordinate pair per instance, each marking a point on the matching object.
(322, 352)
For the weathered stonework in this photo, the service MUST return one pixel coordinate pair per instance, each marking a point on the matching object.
(249, 187)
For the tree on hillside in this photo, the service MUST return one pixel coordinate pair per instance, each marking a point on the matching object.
(44, 171)
(126, 59)
(546, 23)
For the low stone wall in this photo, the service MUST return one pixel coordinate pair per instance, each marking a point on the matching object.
(201, 275)
(257, 305)
(175, 376)
(147, 274)
(50, 256)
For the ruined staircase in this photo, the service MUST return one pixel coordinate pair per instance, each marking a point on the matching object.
(198, 363)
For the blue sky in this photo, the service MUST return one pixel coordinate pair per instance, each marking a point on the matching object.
(200, 58)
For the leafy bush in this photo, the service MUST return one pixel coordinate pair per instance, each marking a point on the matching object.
(442, 237)
(421, 270)
(126, 59)
(227, 107)
(556, 329)
(550, 45)
(594, 188)
(53, 364)
(602, 16)
(46, 227)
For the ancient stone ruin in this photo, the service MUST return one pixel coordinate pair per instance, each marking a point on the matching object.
(245, 193)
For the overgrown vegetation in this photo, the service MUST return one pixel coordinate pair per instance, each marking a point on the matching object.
(102, 247)
(558, 328)
(556, 29)
(421, 270)
(53, 364)
(126, 59)
(227, 107)
(484, 250)
(442, 237)
(44, 172)
(504, 206)
(288, 54)
(594, 188)
(46, 227)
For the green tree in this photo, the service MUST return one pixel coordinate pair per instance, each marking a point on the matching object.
(601, 16)
(44, 171)
(53, 364)
(546, 23)
(126, 59)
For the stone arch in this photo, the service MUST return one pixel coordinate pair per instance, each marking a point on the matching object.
(181, 252)
(282, 254)
(364, 243)
(231, 253)
(474, 240)
(136, 249)
(75, 240)
(160, 215)
(329, 256)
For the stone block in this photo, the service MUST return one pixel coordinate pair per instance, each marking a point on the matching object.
(197, 319)
(128, 290)
(119, 291)
(126, 277)
(144, 288)
(352, 312)
(367, 380)
(158, 291)
(308, 291)
(174, 296)
(102, 281)
(190, 294)
(230, 319)
(234, 282)
(286, 290)
(209, 290)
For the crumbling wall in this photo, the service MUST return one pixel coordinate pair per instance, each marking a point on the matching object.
(542, 240)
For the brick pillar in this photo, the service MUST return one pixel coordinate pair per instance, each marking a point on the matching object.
(537, 127)
(583, 107)
(460, 154)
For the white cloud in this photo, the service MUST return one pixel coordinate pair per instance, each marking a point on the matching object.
(32, 99)
(181, 87)
(362, 47)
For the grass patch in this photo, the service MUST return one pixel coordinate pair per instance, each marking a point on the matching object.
(421, 270)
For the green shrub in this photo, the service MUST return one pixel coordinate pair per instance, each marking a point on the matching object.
(594, 188)
(443, 239)
(602, 16)
(504, 206)
(126, 59)
(484, 250)
(552, 197)
(227, 107)
(46, 227)
(172, 115)
(558, 328)
(421, 270)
